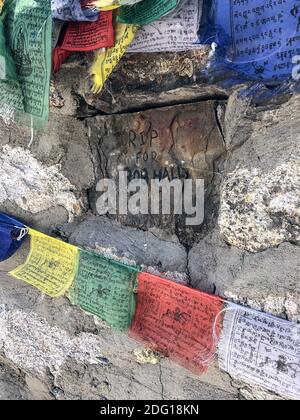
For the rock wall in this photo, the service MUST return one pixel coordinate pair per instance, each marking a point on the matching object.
(247, 249)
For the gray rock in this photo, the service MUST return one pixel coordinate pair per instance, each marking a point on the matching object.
(260, 194)
(260, 136)
(246, 251)
(169, 143)
(261, 210)
(136, 245)
(268, 280)
(139, 82)
(45, 185)
(52, 350)
(12, 383)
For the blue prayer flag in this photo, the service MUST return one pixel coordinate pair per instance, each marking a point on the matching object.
(255, 39)
(12, 234)
(72, 10)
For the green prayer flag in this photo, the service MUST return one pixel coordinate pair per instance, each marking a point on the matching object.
(105, 288)
(145, 12)
(7, 66)
(27, 30)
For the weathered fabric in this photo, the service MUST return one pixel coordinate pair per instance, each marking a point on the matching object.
(177, 31)
(27, 29)
(71, 10)
(146, 11)
(83, 36)
(11, 236)
(105, 288)
(182, 323)
(107, 59)
(51, 265)
(252, 39)
(262, 350)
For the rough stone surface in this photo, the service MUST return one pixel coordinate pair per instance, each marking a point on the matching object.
(252, 255)
(52, 350)
(168, 143)
(45, 185)
(267, 280)
(140, 81)
(143, 248)
(33, 187)
(261, 210)
(247, 250)
(260, 193)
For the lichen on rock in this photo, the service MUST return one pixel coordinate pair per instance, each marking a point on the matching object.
(31, 343)
(261, 210)
(32, 186)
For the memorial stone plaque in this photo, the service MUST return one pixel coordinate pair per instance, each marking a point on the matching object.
(170, 143)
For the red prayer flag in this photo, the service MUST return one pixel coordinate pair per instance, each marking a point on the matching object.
(182, 323)
(58, 58)
(88, 36)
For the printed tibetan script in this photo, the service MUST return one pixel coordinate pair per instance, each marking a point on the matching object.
(175, 32)
(51, 265)
(105, 288)
(262, 350)
(181, 323)
(265, 35)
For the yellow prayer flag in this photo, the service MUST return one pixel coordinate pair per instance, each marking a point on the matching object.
(109, 7)
(106, 60)
(51, 265)
(100, 4)
(1, 5)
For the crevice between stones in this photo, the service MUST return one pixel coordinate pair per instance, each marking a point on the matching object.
(93, 112)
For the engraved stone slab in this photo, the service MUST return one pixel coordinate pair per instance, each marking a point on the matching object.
(178, 142)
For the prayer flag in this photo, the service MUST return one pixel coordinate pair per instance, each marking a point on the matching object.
(51, 265)
(262, 350)
(12, 234)
(182, 323)
(105, 288)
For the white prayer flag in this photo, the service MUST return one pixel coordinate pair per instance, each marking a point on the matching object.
(262, 350)
(175, 32)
